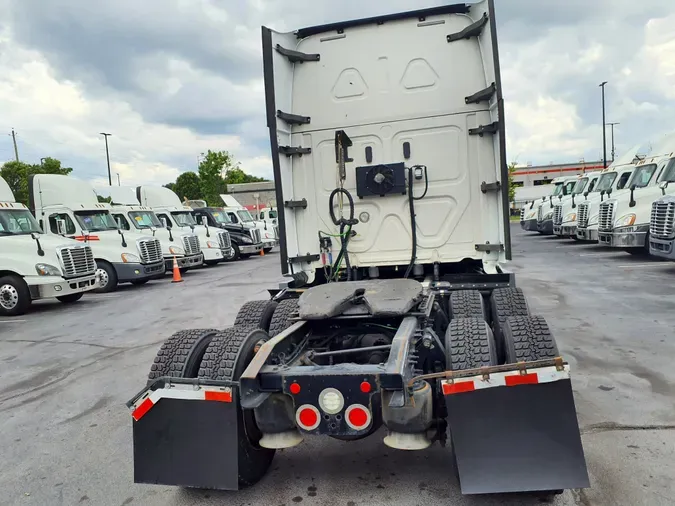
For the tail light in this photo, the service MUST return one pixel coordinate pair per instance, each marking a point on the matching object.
(358, 417)
(307, 417)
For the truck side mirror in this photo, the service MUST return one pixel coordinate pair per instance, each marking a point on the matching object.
(205, 220)
(586, 194)
(61, 227)
(609, 192)
(164, 223)
(119, 222)
(663, 185)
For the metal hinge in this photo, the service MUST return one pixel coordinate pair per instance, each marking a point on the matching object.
(305, 258)
(293, 119)
(490, 187)
(489, 248)
(297, 56)
(492, 128)
(296, 204)
(294, 150)
(472, 30)
(482, 95)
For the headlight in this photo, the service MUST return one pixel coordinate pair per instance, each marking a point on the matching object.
(212, 244)
(176, 250)
(625, 221)
(130, 257)
(548, 215)
(571, 217)
(246, 239)
(47, 270)
(593, 220)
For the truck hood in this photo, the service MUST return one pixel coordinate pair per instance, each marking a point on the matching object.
(24, 246)
(644, 198)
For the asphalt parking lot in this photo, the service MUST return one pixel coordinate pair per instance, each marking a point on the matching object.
(65, 374)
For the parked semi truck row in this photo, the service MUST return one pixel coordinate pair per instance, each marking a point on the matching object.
(398, 310)
(34, 265)
(530, 211)
(239, 214)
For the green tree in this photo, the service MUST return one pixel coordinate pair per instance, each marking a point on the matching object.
(211, 170)
(187, 185)
(17, 174)
(170, 186)
(512, 188)
(238, 176)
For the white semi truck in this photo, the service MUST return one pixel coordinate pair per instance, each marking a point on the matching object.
(398, 311)
(215, 243)
(130, 215)
(662, 218)
(546, 209)
(565, 211)
(37, 266)
(530, 211)
(269, 234)
(69, 207)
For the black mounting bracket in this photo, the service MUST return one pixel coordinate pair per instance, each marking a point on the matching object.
(492, 128)
(490, 187)
(482, 95)
(294, 150)
(296, 204)
(305, 258)
(342, 145)
(297, 56)
(489, 248)
(293, 119)
(473, 30)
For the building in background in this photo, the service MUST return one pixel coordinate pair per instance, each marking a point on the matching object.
(254, 195)
(535, 175)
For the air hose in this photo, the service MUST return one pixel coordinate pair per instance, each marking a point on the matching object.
(343, 224)
(411, 204)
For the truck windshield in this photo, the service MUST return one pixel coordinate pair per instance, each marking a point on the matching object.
(18, 222)
(557, 190)
(643, 175)
(580, 186)
(669, 173)
(606, 181)
(96, 221)
(272, 214)
(220, 216)
(244, 215)
(144, 219)
(183, 218)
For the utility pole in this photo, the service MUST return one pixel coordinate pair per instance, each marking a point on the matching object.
(604, 127)
(16, 150)
(118, 179)
(612, 125)
(107, 156)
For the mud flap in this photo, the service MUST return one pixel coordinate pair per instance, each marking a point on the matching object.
(520, 438)
(189, 442)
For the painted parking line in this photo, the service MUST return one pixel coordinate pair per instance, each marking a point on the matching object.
(650, 264)
(13, 321)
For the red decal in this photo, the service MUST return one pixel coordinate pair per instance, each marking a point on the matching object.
(83, 238)
(142, 409)
(218, 396)
(458, 388)
(522, 379)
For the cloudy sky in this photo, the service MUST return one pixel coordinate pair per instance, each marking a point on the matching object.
(172, 78)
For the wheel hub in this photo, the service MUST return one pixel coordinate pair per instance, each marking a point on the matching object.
(103, 276)
(9, 296)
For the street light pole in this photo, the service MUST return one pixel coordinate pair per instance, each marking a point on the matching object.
(118, 179)
(604, 127)
(612, 125)
(107, 156)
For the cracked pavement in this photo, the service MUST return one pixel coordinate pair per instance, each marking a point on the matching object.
(66, 372)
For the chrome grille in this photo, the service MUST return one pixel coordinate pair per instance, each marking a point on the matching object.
(662, 222)
(224, 240)
(77, 261)
(191, 244)
(582, 214)
(151, 250)
(540, 213)
(255, 235)
(557, 214)
(606, 216)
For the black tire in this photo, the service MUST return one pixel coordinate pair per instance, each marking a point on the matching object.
(467, 304)
(181, 354)
(107, 273)
(505, 302)
(139, 281)
(245, 256)
(15, 295)
(256, 313)
(226, 358)
(469, 344)
(237, 252)
(528, 338)
(267, 250)
(69, 299)
(210, 263)
(281, 320)
(183, 270)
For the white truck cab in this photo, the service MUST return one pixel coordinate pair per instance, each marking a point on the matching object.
(215, 243)
(130, 215)
(662, 218)
(268, 215)
(239, 214)
(624, 217)
(547, 208)
(68, 207)
(530, 211)
(565, 211)
(37, 266)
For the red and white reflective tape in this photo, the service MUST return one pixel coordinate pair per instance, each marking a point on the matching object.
(505, 379)
(183, 392)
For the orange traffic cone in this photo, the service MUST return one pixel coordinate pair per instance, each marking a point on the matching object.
(176, 272)
(262, 253)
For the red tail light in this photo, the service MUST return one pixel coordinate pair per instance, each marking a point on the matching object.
(307, 417)
(358, 417)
